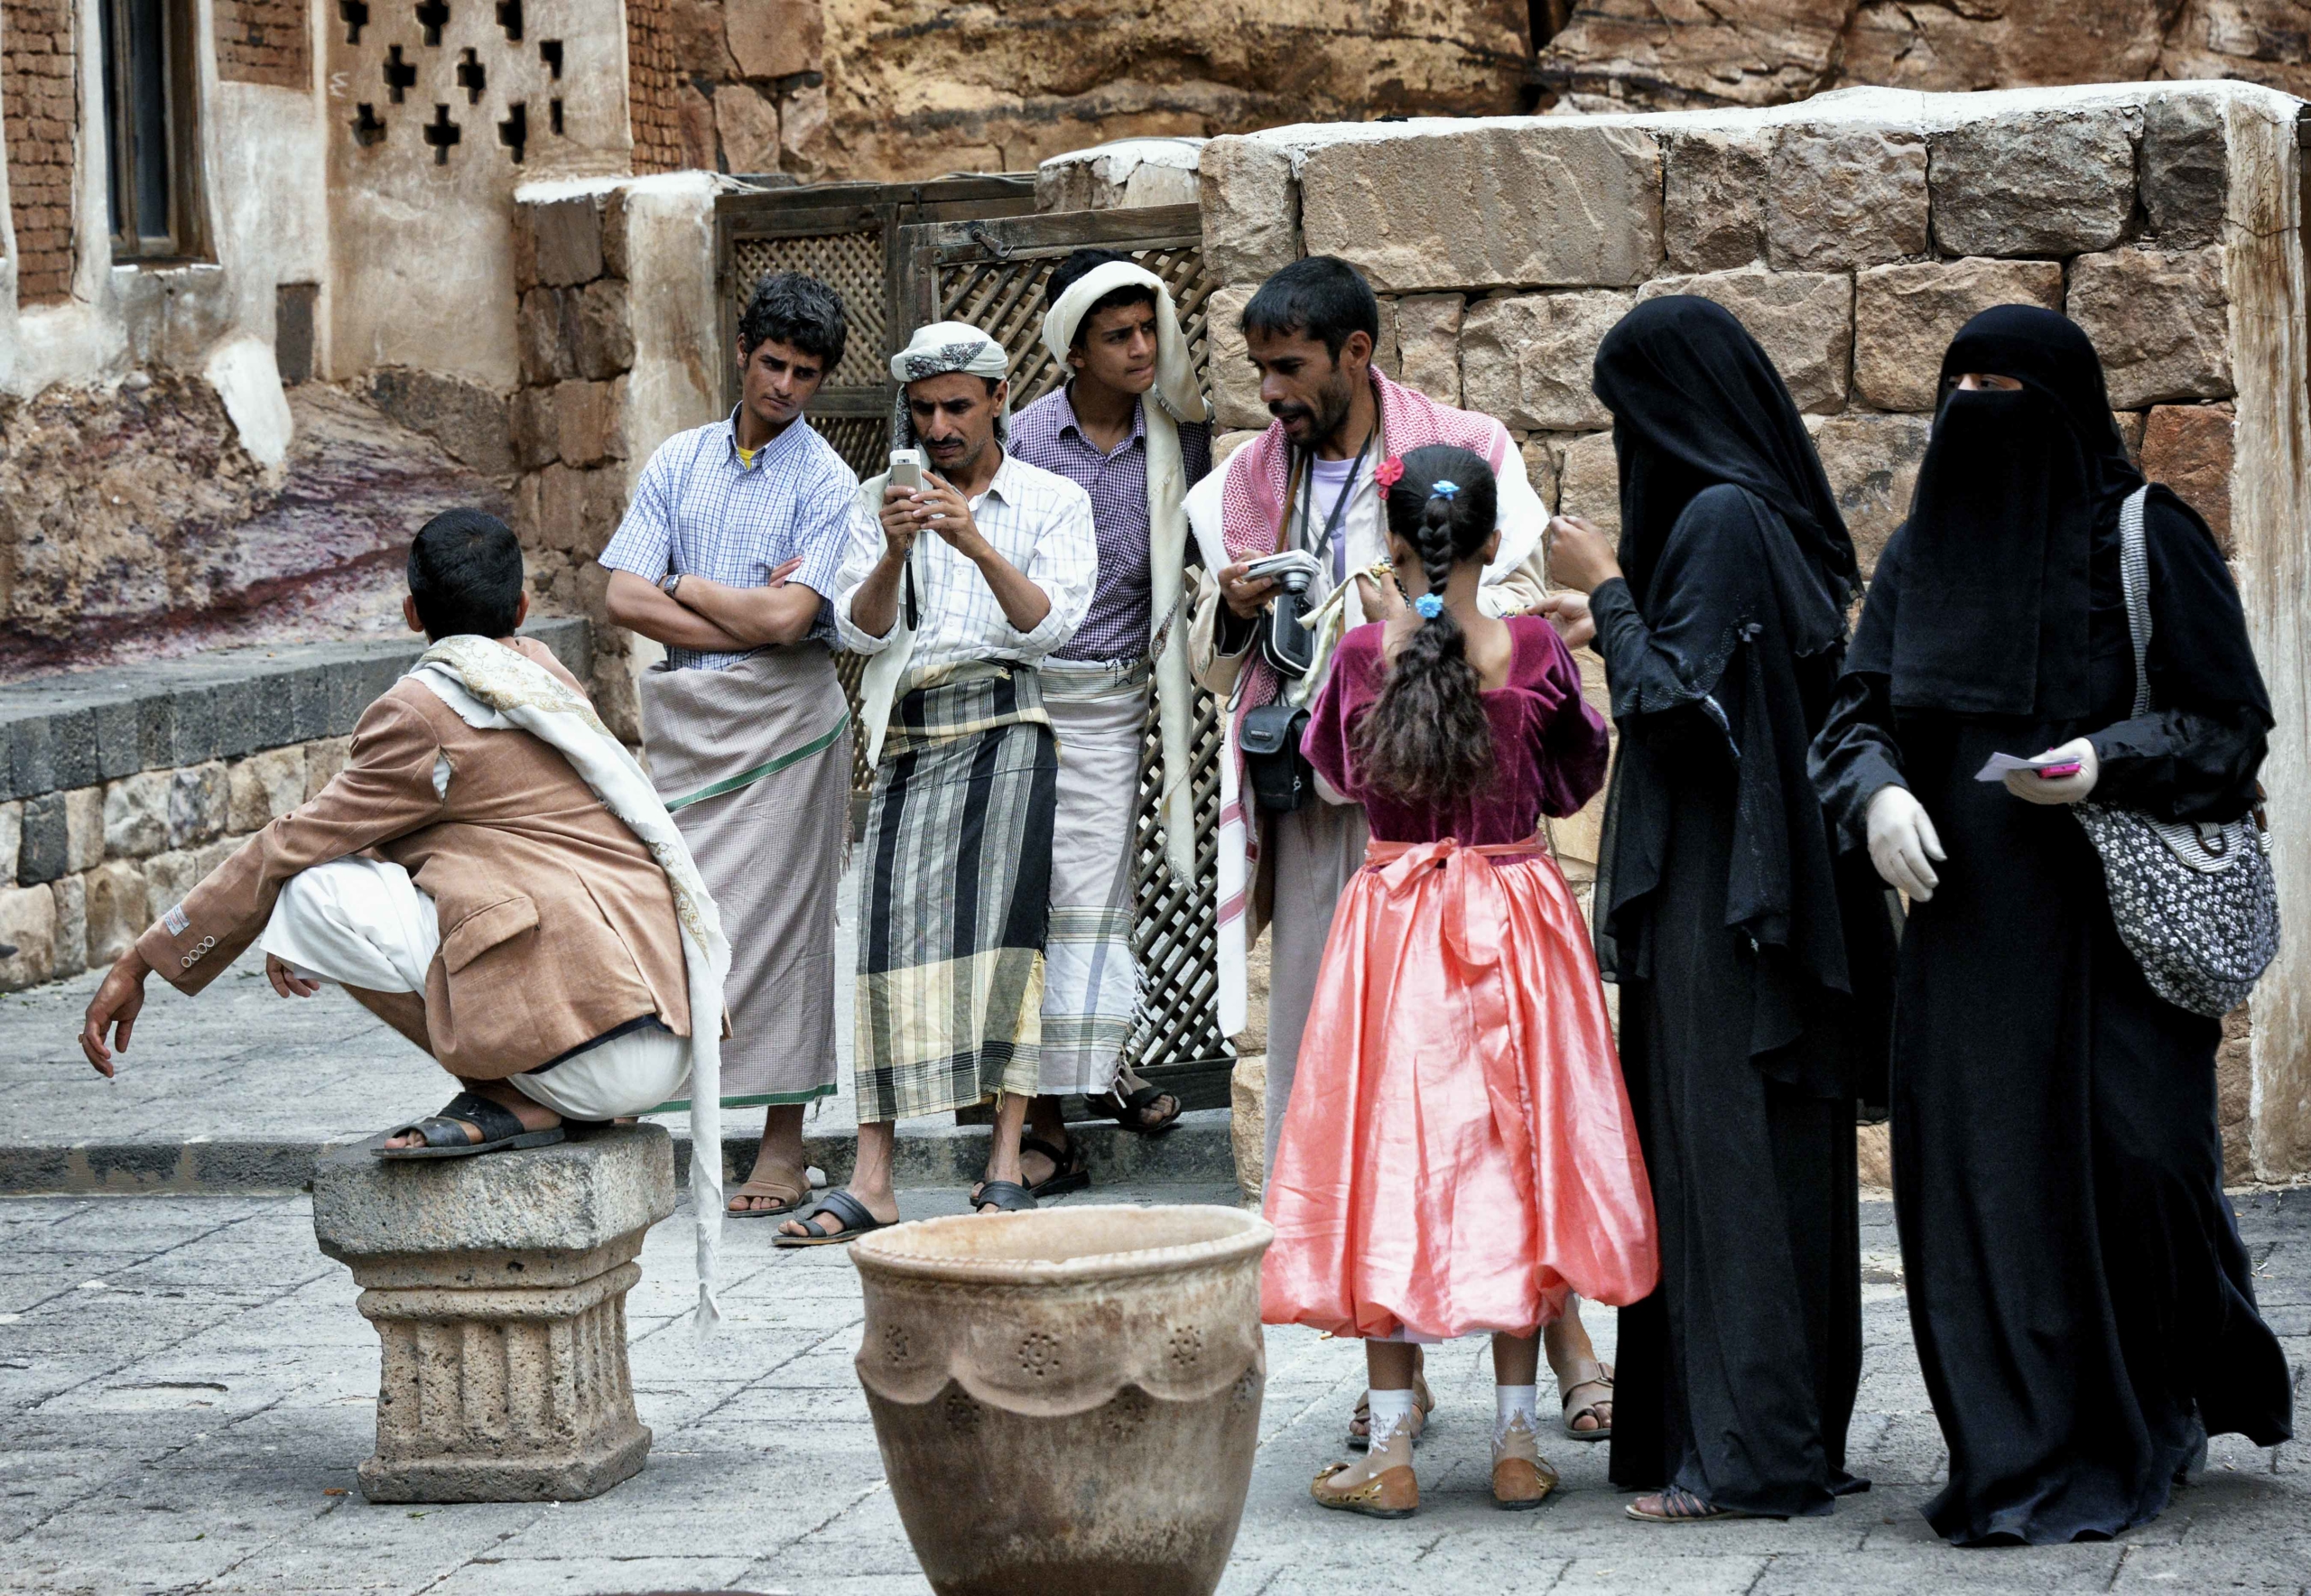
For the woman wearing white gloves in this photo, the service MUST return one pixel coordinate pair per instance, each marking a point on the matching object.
(2081, 1305)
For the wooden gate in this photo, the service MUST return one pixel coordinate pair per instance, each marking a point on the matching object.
(991, 273)
(967, 249)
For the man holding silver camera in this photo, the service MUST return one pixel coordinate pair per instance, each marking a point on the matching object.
(967, 566)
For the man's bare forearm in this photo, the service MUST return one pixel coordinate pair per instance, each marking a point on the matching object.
(756, 616)
(874, 607)
(636, 603)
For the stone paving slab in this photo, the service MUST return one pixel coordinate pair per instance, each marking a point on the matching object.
(184, 1380)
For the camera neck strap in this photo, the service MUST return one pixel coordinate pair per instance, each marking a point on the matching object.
(1321, 547)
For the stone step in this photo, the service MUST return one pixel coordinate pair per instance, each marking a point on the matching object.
(1198, 1152)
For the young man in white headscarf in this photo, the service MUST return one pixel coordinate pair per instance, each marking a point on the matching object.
(1127, 425)
(956, 591)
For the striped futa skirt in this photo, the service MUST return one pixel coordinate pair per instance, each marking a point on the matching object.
(1090, 981)
(754, 763)
(954, 886)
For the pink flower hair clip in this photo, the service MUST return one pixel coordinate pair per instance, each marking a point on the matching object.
(1388, 472)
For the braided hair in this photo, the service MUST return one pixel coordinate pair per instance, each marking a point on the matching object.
(1426, 736)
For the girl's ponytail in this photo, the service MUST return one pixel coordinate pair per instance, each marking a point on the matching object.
(1426, 736)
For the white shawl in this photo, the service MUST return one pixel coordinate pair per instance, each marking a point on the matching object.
(1178, 400)
(492, 688)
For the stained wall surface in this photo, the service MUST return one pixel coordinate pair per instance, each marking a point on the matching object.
(1852, 234)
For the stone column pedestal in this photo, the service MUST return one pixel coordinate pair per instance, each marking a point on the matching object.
(497, 1285)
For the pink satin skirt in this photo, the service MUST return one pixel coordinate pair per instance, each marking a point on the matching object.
(1459, 1154)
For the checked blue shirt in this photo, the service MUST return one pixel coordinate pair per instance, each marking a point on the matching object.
(701, 510)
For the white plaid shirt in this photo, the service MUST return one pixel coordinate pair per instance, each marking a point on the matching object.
(1036, 519)
(698, 509)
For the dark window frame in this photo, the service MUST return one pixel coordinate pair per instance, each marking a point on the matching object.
(152, 81)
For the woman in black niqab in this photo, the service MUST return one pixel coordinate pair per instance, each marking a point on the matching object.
(2081, 1305)
(1753, 978)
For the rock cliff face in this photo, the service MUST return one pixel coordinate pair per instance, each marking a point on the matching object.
(1674, 53)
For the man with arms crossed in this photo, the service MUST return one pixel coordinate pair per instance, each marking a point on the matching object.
(1128, 426)
(956, 590)
(492, 876)
(728, 556)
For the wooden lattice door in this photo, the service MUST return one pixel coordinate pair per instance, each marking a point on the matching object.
(991, 273)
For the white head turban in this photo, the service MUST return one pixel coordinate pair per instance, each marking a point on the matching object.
(935, 350)
(1178, 400)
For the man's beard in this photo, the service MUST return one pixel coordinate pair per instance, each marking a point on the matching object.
(1326, 417)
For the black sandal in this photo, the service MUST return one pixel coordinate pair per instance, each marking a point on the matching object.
(1003, 1196)
(1126, 1110)
(856, 1219)
(445, 1132)
(1070, 1171)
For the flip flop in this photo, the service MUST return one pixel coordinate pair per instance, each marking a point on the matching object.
(856, 1219)
(445, 1132)
(791, 1198)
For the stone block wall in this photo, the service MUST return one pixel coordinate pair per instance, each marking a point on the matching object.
(1852, 234)
(620, 339)
(120, 789)
(39, 110)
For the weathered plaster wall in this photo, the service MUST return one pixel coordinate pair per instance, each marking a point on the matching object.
(1852, 234)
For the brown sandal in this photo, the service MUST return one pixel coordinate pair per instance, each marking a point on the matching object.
(1602, 1376)
(1676, 1505)
(791, 1195)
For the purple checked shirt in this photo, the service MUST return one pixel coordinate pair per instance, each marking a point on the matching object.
(1047, 434)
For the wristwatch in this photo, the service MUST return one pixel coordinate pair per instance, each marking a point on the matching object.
(669, 582)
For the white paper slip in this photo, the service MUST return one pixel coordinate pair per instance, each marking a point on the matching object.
(1995, 769)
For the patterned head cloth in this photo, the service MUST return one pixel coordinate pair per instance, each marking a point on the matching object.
(935, 351)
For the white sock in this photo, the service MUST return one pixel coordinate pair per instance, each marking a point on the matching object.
(1513, 1403)
(1391, 1414)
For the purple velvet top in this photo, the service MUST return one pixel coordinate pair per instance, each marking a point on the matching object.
(1548, 748)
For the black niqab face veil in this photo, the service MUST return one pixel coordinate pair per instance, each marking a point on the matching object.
(1995, 557)
(1696, 403)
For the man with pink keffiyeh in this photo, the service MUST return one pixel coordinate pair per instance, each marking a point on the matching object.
(1309, 490)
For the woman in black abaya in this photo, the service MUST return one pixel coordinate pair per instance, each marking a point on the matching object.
(2082, 1303)
(1753, 998)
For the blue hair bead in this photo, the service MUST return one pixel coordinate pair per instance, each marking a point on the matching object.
(1429, 605)
(1443, 490)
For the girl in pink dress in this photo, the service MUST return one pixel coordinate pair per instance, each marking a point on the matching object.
(1459, 1154)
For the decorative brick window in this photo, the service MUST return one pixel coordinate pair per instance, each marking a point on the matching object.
(265, 41)
(41, 103)
(653, 80)
(152, 154)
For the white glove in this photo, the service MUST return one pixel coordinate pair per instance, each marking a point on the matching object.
(1901, 841)
(2032, 788)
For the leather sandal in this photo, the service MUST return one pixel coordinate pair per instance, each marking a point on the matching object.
(1003, 1196)
(1070, 1170)
(1676, 1505)
(854, 1217)
(1587, 1373)
(1392, 1493)
(445, 1134)
(790, 1195)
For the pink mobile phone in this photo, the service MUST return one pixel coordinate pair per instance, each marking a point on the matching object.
(2047, 773)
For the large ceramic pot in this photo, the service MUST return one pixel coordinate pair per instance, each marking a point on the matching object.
(1067, 1399)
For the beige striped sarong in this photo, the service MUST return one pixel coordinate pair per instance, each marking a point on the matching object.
(754, 763)
(954, 883)
(1090, 981)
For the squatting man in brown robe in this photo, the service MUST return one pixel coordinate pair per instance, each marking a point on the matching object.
(465, 884)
